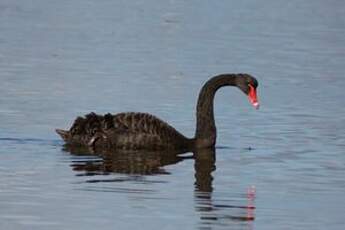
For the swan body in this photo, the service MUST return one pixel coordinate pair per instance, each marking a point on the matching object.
(124, 131)
(144, 131)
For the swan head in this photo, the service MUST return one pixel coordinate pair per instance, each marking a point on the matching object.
(248, 85)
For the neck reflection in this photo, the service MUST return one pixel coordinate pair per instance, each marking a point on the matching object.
(220, 211)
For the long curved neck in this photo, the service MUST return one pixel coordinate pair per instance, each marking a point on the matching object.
(206, 132)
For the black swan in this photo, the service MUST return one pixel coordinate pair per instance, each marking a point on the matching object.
(144, 131)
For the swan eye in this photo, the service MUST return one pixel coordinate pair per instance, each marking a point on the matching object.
(251, 85)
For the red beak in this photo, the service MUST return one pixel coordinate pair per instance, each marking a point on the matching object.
(253, 98)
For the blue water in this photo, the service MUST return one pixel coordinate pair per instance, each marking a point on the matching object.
(281, 167)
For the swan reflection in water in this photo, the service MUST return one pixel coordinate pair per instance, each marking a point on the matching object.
(137, 163)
